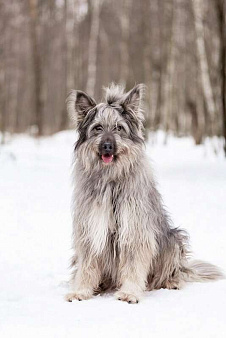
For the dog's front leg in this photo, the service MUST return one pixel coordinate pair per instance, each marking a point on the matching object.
(86, 280)
(133, 271)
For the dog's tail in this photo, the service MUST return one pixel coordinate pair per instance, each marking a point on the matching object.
(199, 271)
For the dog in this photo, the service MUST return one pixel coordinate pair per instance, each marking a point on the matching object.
(123, 238)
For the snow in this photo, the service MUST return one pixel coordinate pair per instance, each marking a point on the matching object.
(35, 223)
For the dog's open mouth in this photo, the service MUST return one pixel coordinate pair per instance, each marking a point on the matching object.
(107, 158)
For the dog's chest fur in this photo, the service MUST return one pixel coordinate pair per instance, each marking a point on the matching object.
(98, 206)
(109, 197)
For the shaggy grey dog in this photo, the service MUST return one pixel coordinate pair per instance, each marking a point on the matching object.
(122, 236)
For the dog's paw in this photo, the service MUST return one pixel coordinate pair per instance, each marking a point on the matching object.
(127, 297)
(80, 295)
(173, 285)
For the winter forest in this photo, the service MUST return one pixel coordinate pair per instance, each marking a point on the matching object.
(176, 47)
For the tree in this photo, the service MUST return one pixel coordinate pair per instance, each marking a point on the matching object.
(221, 12)
(204, 68)
(37, 67)
(95, 7)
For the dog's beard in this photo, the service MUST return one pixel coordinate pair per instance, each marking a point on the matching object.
(127, 155)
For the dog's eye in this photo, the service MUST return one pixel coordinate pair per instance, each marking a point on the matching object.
(119, 128)
(98, 127)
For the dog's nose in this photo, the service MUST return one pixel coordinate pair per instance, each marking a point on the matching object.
(107, 146)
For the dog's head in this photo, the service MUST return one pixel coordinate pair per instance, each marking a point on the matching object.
(110, 133)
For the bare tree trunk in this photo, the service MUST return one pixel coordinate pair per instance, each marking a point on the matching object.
(147, 63)
(168, 74)
(155, 60)
(196, 131)
(63, 119)
(204, 68)
(3, 106)
(171, 70)
(75, 59)
(159, 107)
(221, 11)
(33, 11)
(124, 53)
(2, 74)
(93, 40)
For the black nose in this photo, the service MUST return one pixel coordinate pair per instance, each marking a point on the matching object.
(107, 146)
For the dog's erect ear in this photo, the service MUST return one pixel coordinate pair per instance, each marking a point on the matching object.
(132, 100)
(78, 105)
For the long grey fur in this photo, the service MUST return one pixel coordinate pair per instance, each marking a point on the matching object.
(123, 238)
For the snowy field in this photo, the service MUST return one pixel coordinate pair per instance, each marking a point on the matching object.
(35, 225)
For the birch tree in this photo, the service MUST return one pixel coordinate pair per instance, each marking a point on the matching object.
(124, 53)
(95, 6)
(65, 52)
(38, 107)
(204, 68)
(2, 73)
(221, 12)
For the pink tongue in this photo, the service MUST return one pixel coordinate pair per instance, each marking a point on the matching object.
(107, 159)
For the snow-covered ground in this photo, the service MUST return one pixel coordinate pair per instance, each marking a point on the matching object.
(35, 225)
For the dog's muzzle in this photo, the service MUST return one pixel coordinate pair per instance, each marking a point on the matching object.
(107, 148)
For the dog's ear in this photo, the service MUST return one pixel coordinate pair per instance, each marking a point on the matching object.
(78, 105)
(132, 100)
